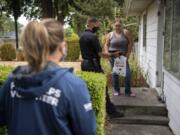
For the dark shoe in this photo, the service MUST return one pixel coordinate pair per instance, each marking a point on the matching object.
(116, 114)
(131, 95)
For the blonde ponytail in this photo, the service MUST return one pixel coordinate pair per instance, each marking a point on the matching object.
(35, 43)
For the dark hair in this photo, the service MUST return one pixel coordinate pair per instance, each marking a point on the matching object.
(91, 20)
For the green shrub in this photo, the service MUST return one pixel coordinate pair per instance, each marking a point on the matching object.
(7, 52)
(137, 77)
(73, 51)
(96, 84)
(3, 131)
(20, 55)
(4, 72)
(72, 40)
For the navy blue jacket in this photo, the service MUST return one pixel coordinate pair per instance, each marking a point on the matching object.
(52, 102)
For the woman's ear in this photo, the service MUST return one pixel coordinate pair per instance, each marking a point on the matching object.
(63, 49)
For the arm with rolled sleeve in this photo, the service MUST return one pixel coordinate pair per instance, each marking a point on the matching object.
(81, 113)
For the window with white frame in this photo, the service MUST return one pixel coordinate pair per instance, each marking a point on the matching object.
(172, 38)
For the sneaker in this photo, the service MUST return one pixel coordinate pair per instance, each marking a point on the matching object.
(131, 95)
(116, 94)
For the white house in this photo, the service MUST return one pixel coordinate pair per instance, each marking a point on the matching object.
(159, 50)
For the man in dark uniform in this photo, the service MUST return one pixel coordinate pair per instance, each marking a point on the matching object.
(90, 47)
(91, 52)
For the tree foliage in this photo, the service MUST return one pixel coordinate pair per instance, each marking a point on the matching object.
(74, 12)
(6, 24)
(102, 9)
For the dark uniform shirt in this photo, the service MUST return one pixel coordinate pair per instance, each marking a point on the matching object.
(89, 45)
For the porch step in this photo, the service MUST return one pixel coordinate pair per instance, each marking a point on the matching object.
(133, 129)
(146, 103)
(141, 119)
(143, 110)
(144, 114)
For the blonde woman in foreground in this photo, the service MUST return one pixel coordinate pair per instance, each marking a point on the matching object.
(42, 98)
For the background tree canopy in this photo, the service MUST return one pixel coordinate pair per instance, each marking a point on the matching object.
(73, 12)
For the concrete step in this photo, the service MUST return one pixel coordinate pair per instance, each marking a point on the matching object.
(143, 110)
(125, 129)
(141, 119)
(145, 103)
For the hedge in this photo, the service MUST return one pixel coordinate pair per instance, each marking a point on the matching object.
(73, 52)
(72, 40)
(4, 72)
(96, 84)
(7, 52)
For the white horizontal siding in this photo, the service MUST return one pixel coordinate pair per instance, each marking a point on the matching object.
(153, 27)
(148, 62)
(172, 94)
(148, 56)
(151, 35)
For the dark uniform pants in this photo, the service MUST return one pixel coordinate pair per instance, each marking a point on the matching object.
(92, 65)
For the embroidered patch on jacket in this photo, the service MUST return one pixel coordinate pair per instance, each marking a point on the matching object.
(88, 107)
(50, 97)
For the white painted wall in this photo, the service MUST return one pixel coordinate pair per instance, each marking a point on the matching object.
(148, 62)
(172, 95)
(147, 57)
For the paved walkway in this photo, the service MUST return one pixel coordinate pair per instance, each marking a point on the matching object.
(75, 65)
(144, 115)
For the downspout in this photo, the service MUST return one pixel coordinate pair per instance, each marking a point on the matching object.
(163, 93)
(161, 40)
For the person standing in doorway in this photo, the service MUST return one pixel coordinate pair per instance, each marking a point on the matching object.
(120, 42)
(91, 52)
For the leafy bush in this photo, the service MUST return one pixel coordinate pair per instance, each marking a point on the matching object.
(4, 72)
(20, 55)
(3, 131)
(137, 77)
(72, 40)
(7, 52)
(96, 84)
(73, 51)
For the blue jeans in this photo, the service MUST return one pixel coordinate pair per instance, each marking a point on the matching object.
(115, 79)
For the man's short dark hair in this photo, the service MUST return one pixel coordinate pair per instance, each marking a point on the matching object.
(91, 20)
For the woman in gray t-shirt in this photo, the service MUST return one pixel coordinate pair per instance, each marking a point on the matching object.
(119, 42)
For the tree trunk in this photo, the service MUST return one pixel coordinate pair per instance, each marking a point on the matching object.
(16, 30)
(16, 14)
(47, 9)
